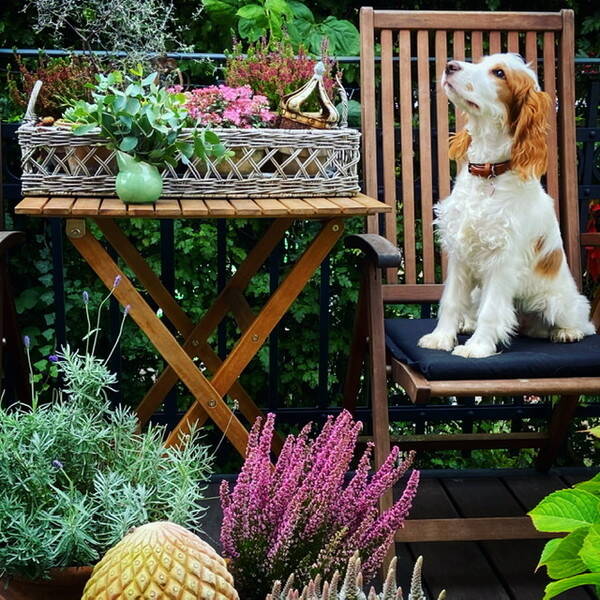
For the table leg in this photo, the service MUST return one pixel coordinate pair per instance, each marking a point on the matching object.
(182, 364)
(277, 305)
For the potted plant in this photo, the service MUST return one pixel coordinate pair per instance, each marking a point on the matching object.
(230, 107)
(77, 475)
(144, 123)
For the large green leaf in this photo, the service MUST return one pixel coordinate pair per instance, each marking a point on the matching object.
(301, 11)
(221, 10)
(128, 143)
(590, 552)
(558, 587)
(343, 36)
(566, 510)
(561, 557)
(280, 7)
(251, 11)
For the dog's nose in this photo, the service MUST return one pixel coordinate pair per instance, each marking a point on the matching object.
(452, 67)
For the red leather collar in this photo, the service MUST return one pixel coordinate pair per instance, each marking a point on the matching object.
(488, 170)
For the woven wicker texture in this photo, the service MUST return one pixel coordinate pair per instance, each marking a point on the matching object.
(266, 163)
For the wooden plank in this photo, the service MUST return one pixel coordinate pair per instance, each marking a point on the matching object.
(140, 210)
(58, 206)
(495, 42)
(505, 387)
(112, 207)
(167, 207)
(531, 49)
(549, 54)
(298, 207)
(425, 162)
(412, 293)
(458, 53)
(513, 41)
(466, 441)
(468, 20)
(368, 108)
(31, 206)
(463, 571)
(349, 206)
(441, 101)
(476, 46)
(86, 207)
(272, 207)
(245, 207)
(531, 487)
(323, 206)
(193, 208)
(407, 154)
(219, 208)
(388, 149)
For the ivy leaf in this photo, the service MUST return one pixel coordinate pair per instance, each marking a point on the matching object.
(558, 587)
(561, 556)
(566, 510)
(590, 552)
(128, 143)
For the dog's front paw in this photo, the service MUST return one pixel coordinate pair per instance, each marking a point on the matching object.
(474, 350)
(566, 334)
(438, 341)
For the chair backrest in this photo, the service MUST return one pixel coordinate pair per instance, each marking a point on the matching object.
(406, 120)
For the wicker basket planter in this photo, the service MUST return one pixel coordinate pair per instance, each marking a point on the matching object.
(266, 163)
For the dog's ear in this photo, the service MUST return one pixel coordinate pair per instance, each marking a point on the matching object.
(529, 124)
(459, 144)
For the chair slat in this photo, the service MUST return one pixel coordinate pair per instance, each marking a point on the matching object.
(495, 42)
(550, 87)
(367, 85)
(441, 54)
(388, 140)
(476, 45)
(406, 144)
(458, 43)
(531, 49)
(512, 44)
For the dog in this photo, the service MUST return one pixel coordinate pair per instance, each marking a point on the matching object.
(498, 227)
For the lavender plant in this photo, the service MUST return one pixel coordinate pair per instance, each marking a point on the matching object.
(77, 475)
(300, 516)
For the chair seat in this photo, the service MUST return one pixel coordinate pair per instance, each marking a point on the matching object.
(524, 358)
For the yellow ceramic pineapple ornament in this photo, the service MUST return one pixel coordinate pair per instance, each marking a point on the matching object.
(161, 561)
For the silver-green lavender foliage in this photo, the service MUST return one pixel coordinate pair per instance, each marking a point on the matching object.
(77, 475)
(352, 586)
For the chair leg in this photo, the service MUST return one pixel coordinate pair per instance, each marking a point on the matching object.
(558, 427)
(358, 350)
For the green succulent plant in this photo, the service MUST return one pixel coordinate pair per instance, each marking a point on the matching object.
(352, 586)
(143, 119)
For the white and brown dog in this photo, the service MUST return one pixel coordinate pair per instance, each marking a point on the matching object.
(498, 226)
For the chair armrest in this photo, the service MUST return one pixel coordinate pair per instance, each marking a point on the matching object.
(377, 249)
(8, 239)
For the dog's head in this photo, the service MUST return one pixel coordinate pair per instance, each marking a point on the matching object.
(503, 88)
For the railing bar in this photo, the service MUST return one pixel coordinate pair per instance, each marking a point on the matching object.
(221, 281)
(324, 322)
(114, 322)
(58, 281)
(274, 265)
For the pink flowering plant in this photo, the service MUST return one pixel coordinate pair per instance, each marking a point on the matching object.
(225, 106)
(304, 516)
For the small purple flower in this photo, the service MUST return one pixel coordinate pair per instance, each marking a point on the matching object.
(117, 281)
(57, 464)
(53, 358)
(86, 297)
(26, 341)
(127, 309)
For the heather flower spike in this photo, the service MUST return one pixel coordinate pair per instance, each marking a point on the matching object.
(302, 516)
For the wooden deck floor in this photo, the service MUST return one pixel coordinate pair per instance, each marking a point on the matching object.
(500, 570)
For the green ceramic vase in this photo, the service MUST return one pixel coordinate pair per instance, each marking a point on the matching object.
(137, 181)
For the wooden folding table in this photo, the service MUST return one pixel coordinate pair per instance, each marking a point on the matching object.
(209, 394)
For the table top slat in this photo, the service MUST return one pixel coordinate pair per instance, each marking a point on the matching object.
(31, 206)
(271, 207)
(296, 206)
(86, 207)
(167, 207)
(220, 208)
(58, 206)
(321, 207)
(112, 207)
(245, 207)
(140, 210)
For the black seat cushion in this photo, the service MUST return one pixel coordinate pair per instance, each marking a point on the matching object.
(524, 358)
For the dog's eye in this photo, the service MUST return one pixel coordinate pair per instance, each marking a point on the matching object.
(499, 73)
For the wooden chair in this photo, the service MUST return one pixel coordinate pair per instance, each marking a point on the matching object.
(411, 171)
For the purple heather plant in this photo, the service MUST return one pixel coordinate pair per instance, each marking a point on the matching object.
(302, 516)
